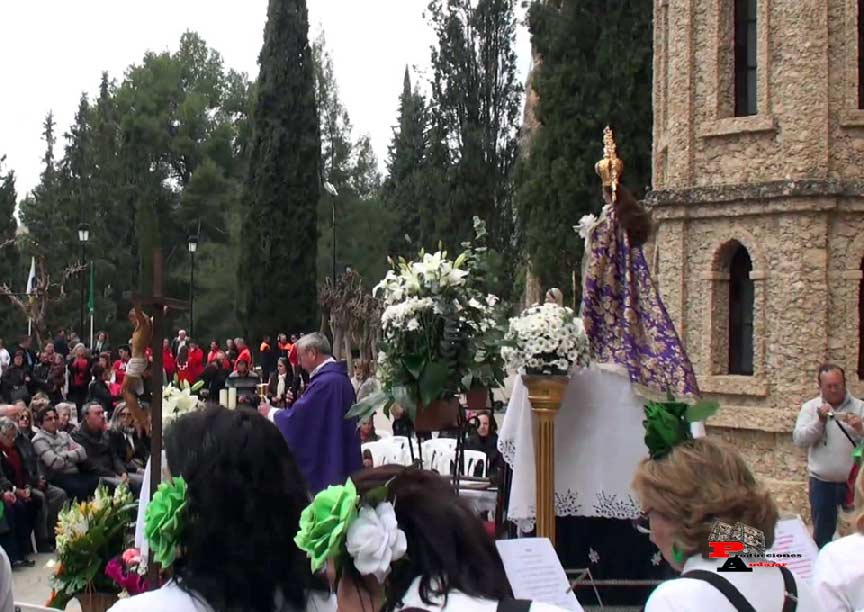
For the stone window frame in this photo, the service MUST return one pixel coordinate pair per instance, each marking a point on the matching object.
(715, 339)
(850, 115)
(852, 275)
(721, 101)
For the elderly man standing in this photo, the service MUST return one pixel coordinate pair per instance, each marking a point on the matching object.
(829, 426)
(325, 444)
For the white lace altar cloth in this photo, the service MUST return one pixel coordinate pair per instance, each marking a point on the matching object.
(599, 441)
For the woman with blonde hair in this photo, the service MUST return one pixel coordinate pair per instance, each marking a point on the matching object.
(838, 577)
(691, 489)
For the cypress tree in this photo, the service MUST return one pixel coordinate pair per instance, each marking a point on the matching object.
(10, 319)
(405, 168)
(276, 274)
(596, 70)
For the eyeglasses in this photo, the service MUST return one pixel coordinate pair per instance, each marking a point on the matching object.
(125, 414)
(642, 523)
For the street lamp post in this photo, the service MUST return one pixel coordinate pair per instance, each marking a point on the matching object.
(83, 238)
(193, 248)
(333, 195)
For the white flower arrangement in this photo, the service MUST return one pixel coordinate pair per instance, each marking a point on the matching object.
(177, 401)
(375, 541)
(546, 339)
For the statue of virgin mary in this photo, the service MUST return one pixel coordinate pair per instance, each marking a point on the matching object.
(626, 322)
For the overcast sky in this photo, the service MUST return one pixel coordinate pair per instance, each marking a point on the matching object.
(52, 50)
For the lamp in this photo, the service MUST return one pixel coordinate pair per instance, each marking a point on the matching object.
(192, 245)
(83, 238)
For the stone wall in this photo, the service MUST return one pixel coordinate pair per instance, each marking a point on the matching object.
(802, 240)
(787, 185)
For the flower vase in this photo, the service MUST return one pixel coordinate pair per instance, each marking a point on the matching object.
(96, 602)
(476, 398)
(545, 394)
(440, 415)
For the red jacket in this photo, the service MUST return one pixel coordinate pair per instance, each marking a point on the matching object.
(196, 364)
(245, 355)
(119, 368)
(211, 356)
(168, 363)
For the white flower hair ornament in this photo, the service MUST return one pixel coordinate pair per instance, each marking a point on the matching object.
(338, 521)
(375, 541)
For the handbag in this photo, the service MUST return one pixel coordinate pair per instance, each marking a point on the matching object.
(849, 499)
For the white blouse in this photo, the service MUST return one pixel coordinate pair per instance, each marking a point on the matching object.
(838, 577)
(172, 597)
(763, 588)
(459, 602)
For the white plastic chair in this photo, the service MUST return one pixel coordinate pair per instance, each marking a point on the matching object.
(475, 464)
(380, 451)
(386, 451)
(434, 448)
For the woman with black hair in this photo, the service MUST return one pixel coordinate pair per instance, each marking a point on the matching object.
(450, 564)
(243, 500)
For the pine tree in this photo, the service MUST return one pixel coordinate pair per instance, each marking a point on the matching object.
(596, 70)
(277, 268)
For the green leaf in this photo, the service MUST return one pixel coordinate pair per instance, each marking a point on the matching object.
(414, 364)
(376, 496)
(405, 398)
(702, 411)
(369, 405)
(433, 382)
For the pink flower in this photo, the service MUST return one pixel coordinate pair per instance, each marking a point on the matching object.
(131, 556)
(130, 582)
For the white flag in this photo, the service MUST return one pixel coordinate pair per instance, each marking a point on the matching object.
(31, 278)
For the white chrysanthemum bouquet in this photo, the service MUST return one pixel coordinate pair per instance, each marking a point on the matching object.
(547, 339)
(441, 331)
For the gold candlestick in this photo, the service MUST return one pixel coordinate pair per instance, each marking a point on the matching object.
(545, 394)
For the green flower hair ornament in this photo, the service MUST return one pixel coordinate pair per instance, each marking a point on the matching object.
(164, 520)
(324, 523)
(667, 424)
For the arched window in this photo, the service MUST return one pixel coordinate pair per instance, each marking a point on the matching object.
(741, 294)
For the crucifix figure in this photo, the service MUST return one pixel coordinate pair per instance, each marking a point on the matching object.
(148, 332)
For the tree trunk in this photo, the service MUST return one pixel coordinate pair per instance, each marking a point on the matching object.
(337, 340)
(349, 357)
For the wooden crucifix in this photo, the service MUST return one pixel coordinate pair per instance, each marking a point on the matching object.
(148, 332)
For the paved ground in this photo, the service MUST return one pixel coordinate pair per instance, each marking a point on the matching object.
(33, 585)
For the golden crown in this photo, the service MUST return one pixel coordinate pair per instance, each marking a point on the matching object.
(610, 167)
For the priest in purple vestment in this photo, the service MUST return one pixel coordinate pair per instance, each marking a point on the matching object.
(325, 444)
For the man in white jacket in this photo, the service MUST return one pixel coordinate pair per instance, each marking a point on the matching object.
(829, 426)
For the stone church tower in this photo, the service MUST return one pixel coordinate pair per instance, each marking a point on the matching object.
(759, 202)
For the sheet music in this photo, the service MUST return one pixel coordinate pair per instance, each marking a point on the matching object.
(535, 572)
(792, 536)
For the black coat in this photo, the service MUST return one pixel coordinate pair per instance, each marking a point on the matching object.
(100, 394)
(214, 377)
(29, 460)
(14, 383)
(100, 457)
(133, 456)
(60, 346)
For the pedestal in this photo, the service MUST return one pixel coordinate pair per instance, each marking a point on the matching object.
(545, 394)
